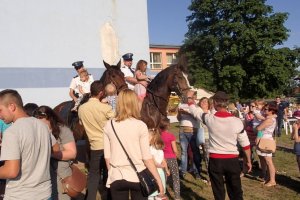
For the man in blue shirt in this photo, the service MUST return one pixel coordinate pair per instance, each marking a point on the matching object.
(281, 105)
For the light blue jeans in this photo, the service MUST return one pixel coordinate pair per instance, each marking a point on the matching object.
(184, 139)
(187, 139)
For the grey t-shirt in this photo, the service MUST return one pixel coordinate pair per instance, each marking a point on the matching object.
(28, 140)
(63, 167)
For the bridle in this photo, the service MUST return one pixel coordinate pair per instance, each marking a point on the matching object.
(113, 82)
(177, 87)
(153, 95)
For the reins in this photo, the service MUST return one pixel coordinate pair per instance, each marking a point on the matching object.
(155, 103)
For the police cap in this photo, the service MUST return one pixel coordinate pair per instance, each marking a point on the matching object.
(127, 56)
(78, 64)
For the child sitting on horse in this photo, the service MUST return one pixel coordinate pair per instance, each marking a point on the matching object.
(142, 78)
(84, 86)
(110, 96)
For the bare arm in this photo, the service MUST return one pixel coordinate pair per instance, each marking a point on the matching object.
(259, 116)
(174, 147)
(179, 115)
(68, 153)
(107, 161)
(81, 89)
(152, 168)
(294, 135)
(140, 76)
(55, 147)
(248, 158)
(165, 167)
(10, 169)
(71, 93)
(264, 124)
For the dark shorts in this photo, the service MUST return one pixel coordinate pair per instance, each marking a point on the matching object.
(297, 148)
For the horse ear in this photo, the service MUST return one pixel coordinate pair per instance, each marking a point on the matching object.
(119, 64)
(183, 63)
(106, 64)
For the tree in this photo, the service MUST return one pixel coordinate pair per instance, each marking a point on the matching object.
(231, 46)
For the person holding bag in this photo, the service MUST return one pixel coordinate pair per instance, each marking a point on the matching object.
(127, 150)
(60, 162)
(265, 131)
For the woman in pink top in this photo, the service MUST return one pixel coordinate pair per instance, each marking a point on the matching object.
(170, 152)
(134, 136)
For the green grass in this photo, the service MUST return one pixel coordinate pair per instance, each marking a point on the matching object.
(287, 177)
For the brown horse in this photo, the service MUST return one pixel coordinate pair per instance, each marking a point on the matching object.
(112, 74)
(154, 107)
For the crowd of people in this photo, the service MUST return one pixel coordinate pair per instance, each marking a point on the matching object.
(211, 130)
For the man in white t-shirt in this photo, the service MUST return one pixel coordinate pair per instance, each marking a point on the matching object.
(26, 150)
(128, 71)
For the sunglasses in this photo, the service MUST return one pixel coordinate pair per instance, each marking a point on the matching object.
(39, 114)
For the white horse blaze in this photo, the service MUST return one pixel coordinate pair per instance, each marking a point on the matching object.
(186, 78)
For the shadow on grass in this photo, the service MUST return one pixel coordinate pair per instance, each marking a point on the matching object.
(283, 148)
(188, 194)
(288, 182)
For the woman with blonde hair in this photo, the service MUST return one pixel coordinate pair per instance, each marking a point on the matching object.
(133, 134)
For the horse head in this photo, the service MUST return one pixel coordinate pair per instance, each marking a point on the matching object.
(154, 108)
(114, 75)
(180, 83)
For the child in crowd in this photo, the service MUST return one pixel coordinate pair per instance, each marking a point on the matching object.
(249, 118)
(110, 96)
(84, 87)
(259, 117)
(156, 146)
(233, 110)
(170, 154)
(258, 114)
(142, 78)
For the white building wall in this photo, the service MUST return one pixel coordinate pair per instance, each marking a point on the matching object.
(46, 37)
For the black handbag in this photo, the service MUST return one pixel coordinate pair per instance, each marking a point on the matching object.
(147, 181)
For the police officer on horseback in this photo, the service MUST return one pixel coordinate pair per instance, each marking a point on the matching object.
(128, 71)
(74, 89)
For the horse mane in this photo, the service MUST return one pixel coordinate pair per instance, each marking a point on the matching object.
(183, 63)
(161, 77)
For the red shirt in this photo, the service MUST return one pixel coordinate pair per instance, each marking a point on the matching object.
(168, 138)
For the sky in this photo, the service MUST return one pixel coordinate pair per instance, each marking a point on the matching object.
(167, 20)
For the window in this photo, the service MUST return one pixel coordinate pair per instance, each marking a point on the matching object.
(171, 58)
(155, 60)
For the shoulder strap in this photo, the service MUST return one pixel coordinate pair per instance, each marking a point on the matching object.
(130, 161)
